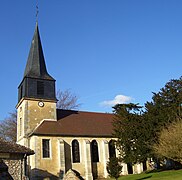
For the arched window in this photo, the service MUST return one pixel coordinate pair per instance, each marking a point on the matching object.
(75, 151)
(94, 151)
(112, 151)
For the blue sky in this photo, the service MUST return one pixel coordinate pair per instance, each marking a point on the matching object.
(104, 51)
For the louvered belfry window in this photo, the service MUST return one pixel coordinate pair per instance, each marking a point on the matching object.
(75, 151)
(40, 88)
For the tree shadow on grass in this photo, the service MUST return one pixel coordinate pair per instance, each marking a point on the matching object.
(154, 171)
(144, 178)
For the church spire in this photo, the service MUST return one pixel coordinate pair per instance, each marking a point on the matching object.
(37, 83)
(36, 67)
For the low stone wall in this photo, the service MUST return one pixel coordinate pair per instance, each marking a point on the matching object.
(11, 169)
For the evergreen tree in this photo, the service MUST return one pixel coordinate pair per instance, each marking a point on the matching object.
(128, 128)
(138, 131)
(164, 109)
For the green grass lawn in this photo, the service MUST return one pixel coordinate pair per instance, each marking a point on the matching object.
(164, 175)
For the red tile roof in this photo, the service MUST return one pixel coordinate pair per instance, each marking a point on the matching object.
(77, 123)
(11, 147)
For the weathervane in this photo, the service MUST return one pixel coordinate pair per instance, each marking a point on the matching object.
(37, 11)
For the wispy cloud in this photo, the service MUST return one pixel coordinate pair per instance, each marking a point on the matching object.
(119, 99)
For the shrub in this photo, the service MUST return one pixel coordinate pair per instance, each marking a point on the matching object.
(114, 167)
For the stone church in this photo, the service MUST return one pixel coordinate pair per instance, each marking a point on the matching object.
(62, 140)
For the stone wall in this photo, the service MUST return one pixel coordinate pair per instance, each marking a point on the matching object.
(14, 168)
(11, 169)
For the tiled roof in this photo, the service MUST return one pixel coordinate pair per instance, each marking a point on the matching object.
(77, 123)
(11, 147)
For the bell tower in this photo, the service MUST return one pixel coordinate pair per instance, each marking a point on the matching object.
(36, 92)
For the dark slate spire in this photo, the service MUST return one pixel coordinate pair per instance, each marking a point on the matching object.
(37, 83)
(36, 67)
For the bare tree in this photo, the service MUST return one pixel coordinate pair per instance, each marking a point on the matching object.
(67, 100)
(170, 144)
(8, 127)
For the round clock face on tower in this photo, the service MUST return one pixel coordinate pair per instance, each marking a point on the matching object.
(41, 104)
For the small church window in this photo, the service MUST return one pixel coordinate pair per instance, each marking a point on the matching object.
(75, 151)
(46, 148)
(112, 151)
(40, 88)
(20, 127)
(94, 151)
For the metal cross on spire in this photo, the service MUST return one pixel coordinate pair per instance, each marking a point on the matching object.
(37, 11)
